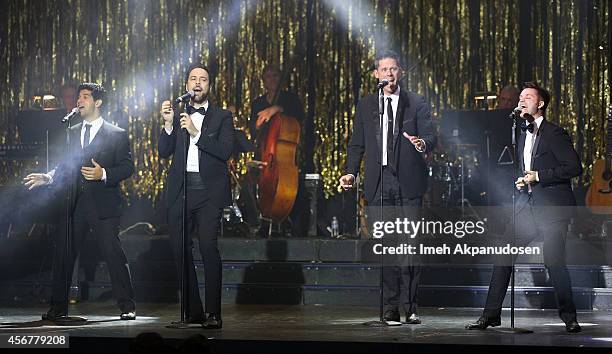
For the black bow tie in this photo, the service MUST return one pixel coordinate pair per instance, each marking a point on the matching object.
(191, 110)
(529, 127)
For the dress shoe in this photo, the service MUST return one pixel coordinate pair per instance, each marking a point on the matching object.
(53, 314)
(212, 321)
(391, 315)
(484, 322)
(413, 319)
(191, 320)
(128, 316)
(573, 327)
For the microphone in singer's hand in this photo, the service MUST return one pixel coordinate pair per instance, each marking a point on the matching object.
(74, 112)
(184, 98)
(382, 84)
(517, 112)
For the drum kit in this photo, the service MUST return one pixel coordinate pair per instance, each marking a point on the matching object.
(457, 178)
(234, 221)
(245, 214)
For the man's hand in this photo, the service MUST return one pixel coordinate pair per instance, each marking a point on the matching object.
(167, 113)
(266, 114)
(347, 181)
(418, 143)
(520, 183)
(187, 123)
(531, 177)
(232, 110)
(92, 173)
(35, 180)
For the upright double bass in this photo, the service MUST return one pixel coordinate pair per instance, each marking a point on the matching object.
(278, 178)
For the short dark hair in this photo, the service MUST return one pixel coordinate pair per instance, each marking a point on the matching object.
(271, 67)
(196, 66)
(387, 54)
(97, 91)
(542, 93)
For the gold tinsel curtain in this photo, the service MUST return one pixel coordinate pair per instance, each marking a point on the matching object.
(139, 50)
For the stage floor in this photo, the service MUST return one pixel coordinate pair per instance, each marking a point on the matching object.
(312, 323)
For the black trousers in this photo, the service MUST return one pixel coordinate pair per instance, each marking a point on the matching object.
(105, 231)
(401, 275)
(204, 217)
(529, 225)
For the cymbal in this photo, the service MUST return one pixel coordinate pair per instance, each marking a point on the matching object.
(470, 146)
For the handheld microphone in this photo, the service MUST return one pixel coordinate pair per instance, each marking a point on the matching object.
(382, 84)
(516, 113)
(74, 112)
(184, 98)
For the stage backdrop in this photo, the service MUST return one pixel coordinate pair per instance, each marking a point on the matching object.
(139, 50)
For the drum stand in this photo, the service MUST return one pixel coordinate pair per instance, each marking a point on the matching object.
(464, 201)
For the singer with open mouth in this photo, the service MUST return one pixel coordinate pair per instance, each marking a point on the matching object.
(406, 133)
(98, 159)
(208, 133)
(544, 207)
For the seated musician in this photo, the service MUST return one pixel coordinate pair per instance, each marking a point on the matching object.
(263, 109)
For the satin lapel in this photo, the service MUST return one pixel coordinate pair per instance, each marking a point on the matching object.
(98, 140)
(519, 151)
(375, 117)
(209, 114)
(402, 106)
(534, 150)
(75, 140)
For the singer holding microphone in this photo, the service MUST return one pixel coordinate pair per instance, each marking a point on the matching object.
(98, 159)
(407, 133)
(208, 131)
(544, 207)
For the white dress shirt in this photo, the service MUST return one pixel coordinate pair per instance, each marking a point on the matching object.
(193, 161)
(95, 128)
(529, 141)
(394, 103)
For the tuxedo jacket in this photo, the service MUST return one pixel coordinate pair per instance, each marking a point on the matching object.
(110, 148)
(413, 117)
(554, 158)
(215, 147)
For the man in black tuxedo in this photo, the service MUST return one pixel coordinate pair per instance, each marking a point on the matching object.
(99, 159)
(407, 134)
(208, 134)
(544, 207)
